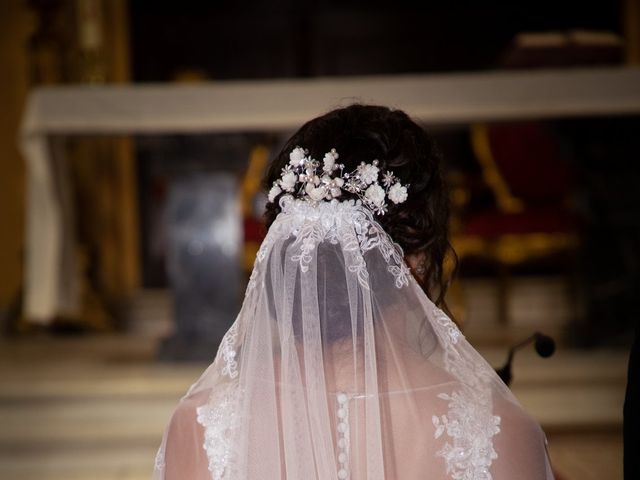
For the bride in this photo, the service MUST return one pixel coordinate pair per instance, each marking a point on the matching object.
(342, 363)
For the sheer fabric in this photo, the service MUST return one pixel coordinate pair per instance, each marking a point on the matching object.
(338, 367)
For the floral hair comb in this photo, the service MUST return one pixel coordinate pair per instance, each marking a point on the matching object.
(303, 177)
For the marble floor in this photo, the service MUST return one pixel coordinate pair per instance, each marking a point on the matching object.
(94, 407)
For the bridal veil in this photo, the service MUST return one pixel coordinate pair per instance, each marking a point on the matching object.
(339, 366)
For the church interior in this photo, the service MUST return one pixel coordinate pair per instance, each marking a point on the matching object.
(134, 136)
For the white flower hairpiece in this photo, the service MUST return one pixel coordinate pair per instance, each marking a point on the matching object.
(303, 177)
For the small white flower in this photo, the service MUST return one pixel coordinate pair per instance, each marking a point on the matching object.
(285, 169)
(388, 178)
(296, 156)
(352, 185)
(397, 193)
(310, 164)
(330, 160)
(329, 163)
(317, 193)
(368, 173)
(375, 195)
(288, 181)
(274, 192)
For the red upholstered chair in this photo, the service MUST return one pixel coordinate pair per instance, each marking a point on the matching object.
(524, 166)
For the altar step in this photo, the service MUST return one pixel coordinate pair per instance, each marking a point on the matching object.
(94, 408)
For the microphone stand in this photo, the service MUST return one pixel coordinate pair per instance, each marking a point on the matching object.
(545, 347)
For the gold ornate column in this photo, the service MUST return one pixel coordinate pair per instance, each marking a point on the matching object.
(87, 41)
(17, 24)
(104, 167)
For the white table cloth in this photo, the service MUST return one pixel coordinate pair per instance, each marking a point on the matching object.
(274, 105)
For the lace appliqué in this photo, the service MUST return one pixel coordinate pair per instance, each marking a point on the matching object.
(471, 429)
(159, 460)
(220, 420)
(309, 237)
(253, 281)
(401, 274)
(228, 351)
(469, 423)
(346, 222)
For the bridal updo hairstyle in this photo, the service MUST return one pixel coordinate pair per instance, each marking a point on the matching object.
(367, 132)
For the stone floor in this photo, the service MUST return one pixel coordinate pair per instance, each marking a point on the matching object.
(94, 407)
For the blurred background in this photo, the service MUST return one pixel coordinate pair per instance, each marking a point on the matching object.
(133, 138)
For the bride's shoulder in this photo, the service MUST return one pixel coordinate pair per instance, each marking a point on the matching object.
(185, 413)
(521, 435)
(515, 417)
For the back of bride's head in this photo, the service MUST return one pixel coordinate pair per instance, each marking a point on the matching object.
(364, 133)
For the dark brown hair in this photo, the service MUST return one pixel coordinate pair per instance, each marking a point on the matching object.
(367, 132)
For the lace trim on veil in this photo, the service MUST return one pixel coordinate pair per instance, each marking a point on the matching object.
(469, 423)
(220, 420)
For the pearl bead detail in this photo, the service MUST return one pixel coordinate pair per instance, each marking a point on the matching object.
(342, 415)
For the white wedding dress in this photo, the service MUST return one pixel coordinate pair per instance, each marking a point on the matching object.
(338, 367)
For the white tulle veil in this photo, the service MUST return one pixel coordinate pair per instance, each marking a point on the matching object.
(338, 366)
